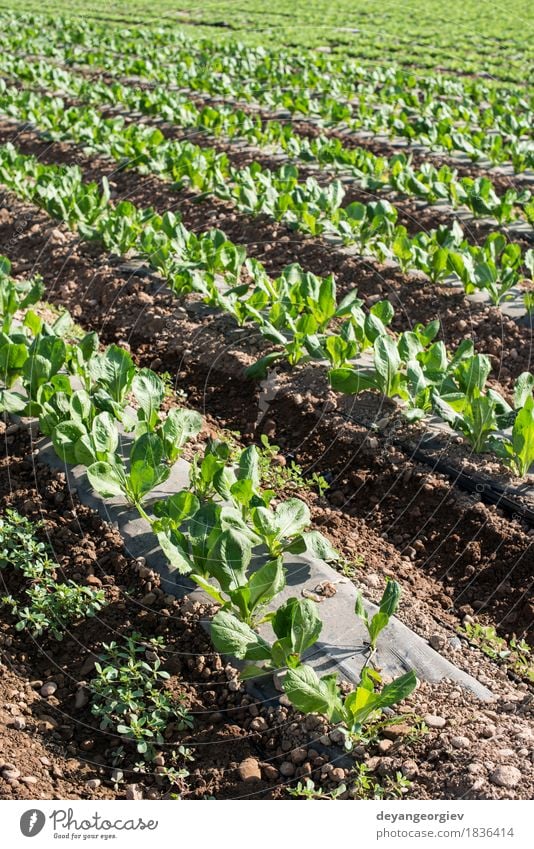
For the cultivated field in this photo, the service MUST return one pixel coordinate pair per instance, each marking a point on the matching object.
(266, 385)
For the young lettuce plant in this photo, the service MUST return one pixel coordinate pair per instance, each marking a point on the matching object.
(296, 626)
(178, 426)
(311, 694)
(467, 408)
(147, 469)
(387, 608)
(283, 530)
(112, 373)
(518, 451)
(217, 541)
(279, 530)
(15, 295)
(386, 376)
(243, 592)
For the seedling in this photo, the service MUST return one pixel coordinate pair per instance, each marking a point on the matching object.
(388, 607)
(309, 790)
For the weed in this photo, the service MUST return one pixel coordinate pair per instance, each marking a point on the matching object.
(128, 695)
(286, 477)
(308, 790)
(366, 787)
(48, 606)
(515, 654)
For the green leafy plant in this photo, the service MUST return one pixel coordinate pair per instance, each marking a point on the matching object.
(363, 785)
(516, 654)
(15, 295)
(311, 694)
(309, 790)
(296, 626)
(518, 451)
(52, 607)
(48, 605)
(387, 608)
(128, 694)
(289, 476)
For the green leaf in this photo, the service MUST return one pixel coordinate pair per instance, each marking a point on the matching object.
(251, 671)
(64, 439)
(178, 558)
(265, 522)
(229, 558)
(178, 507)
(292, 516)
(88, 345)
(12, 402)
(523, 437)
(200, 529)
(390, 599)
(266, 583)
(249, 466)
(106, 479)
(114, 370)
(308, 693)
(387, 361)
(359, 608)
(146, 467)
(363, 702)
(523, 389)
(104, 433)
(298, 622)
(376, 625)
(349, 381)
(149, 391)
(232, 636)
(318, 546)
(259, 369)
(179, 426)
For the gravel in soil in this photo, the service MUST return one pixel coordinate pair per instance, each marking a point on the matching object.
(444, 742)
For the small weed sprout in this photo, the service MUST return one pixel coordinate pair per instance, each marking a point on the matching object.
(129, 697)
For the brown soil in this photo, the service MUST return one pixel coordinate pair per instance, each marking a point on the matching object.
(52, 746)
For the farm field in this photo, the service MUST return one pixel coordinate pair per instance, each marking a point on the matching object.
(266, 398)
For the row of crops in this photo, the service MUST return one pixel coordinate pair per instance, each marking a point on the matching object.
(310, 147)
(463, 38)
(295, 311)
(213, 543)
(298, 312)
(377, 174)
(476, 118)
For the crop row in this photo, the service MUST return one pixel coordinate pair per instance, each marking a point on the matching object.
(371, 172)
(497, 129)
(297, 311)
(495, 267)
(250, 63)
(427, 37)
(213, 529)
